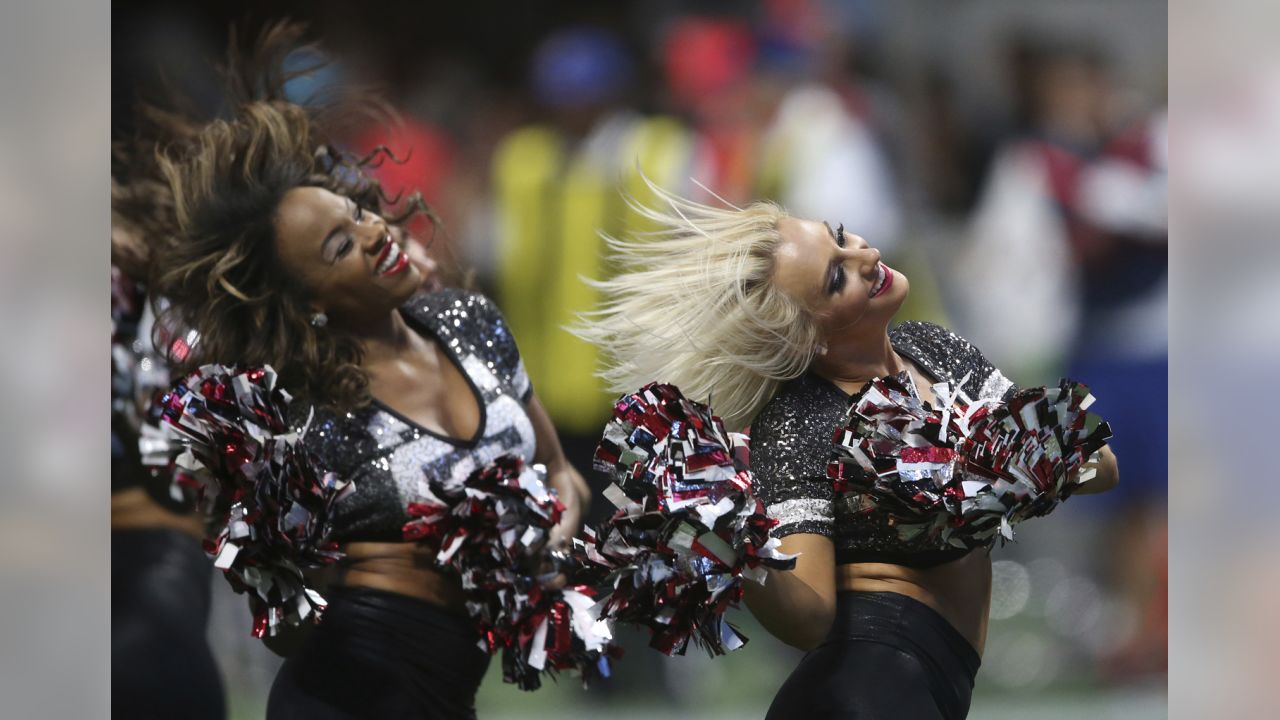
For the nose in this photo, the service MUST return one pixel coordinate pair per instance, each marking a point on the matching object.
(375, 237)
(864, 258)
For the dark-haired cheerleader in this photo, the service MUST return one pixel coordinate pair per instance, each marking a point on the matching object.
(288, 255)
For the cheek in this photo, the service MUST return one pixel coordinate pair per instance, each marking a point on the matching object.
(851, 307)
(843, 313)
(348, 279)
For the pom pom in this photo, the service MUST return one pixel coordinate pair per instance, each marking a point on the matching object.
(964, 472)
(688, 527)
(492, 530)
(248, 468)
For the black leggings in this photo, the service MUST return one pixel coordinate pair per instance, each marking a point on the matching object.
(378, 654)
(887, 657)
(161, 664)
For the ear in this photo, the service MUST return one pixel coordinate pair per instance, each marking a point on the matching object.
(317, 318)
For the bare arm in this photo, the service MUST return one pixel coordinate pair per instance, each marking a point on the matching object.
(798, 606)
(561, 476)
(1108, 475)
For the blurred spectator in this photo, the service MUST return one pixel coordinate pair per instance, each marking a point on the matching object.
(555, 185)
(823, 156)
(1069, 268)
(707, 64)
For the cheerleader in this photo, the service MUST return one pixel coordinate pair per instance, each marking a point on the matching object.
(289, 255)
(780, 321)
(161, 662)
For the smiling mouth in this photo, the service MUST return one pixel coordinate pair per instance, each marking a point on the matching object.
(884, 280)
(392, 260)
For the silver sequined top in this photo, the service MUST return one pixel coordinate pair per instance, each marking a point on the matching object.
(388, 455)
(791, 442)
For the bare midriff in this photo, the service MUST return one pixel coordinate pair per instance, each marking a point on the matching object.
(403, 568)
(133, 509)
(959, 591)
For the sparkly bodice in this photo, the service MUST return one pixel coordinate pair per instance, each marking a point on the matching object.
(388, 455)
(791, 444)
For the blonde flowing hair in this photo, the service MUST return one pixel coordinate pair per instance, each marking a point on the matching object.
(693, 304)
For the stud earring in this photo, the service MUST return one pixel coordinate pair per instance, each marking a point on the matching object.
(821, 349)
(319, 320)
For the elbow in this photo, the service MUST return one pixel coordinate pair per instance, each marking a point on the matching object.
(813, 631)
(822, 624)
(814, 635)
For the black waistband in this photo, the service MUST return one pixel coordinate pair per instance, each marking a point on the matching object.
(898, 619)
(410, 616)
(381, 654)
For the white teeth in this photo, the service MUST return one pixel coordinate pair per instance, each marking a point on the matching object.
(880, 277)
(392, 256)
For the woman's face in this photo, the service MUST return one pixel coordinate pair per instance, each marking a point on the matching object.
(346, 256)
(838, 276)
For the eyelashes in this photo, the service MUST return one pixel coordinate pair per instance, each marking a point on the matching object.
(838, 278)
(357, 215)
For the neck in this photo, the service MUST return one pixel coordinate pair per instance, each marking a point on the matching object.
(853, 360)
(383, 335)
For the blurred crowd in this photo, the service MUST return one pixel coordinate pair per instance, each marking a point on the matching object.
(1009, 158)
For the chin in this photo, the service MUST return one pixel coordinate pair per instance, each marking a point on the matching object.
(897, 294)
(410, 283)
(902, 288)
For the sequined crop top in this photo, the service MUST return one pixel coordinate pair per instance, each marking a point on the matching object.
(791, 443)
(387, 455)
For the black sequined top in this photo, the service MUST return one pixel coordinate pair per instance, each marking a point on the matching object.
(791, 444)
(388, 455)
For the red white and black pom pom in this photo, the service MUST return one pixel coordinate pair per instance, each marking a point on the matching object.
(492, 530)
(254, 473)
(688, 527)
(962, 473)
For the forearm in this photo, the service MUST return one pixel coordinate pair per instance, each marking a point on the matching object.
(797, 606)
(561, 476)
(790, 609)
(573, 492)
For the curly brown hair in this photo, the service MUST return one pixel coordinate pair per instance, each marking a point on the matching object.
(220, 273)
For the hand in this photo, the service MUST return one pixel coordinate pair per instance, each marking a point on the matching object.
(550, 571)
(1106, 473)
